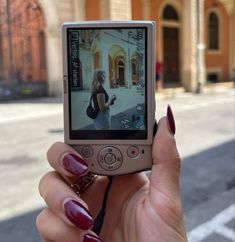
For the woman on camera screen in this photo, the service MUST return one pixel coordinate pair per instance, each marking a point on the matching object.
(101, 101)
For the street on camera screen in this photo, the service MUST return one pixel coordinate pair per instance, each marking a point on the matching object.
(107, 68)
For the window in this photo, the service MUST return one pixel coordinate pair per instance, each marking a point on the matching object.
(213, 31)
(169, 13)
(96, 60)
(134, 68)
(134, 71)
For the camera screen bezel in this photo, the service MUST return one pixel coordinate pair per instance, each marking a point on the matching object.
(111, 136)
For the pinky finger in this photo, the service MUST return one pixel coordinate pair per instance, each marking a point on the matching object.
(53, 229)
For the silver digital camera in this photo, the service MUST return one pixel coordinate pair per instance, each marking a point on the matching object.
(109, 93)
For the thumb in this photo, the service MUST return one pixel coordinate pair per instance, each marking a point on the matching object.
(166, 161)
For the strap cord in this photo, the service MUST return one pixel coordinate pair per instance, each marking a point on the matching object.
(98, 223)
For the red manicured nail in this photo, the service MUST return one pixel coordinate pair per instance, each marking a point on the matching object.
(171, 120)
(91, 238)
(74, 164)
(78, 215)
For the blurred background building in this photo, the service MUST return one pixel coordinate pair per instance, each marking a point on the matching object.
(195, 38)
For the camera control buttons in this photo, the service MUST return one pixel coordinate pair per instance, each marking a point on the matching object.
(87, 151)
(110, 158)
(133, 152)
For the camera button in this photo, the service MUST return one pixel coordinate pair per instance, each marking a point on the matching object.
(87, 151)
(110, 158)
(133, 152)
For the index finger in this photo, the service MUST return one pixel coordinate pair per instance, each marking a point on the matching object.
(65, 160)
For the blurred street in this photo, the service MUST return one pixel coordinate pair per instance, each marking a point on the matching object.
(205, 137)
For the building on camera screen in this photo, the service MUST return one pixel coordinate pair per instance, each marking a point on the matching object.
(107, 67)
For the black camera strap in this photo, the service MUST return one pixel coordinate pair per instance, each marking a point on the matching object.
(100, 217)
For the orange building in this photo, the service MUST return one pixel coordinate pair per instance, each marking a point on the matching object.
(22, 28)
(195, 38)
(212, 30)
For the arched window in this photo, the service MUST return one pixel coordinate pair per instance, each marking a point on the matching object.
(97, 60)
(134, 71)
(169, 13)
(213, 31)
(120, 63)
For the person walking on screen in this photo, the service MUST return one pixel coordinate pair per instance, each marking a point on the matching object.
(101, 101)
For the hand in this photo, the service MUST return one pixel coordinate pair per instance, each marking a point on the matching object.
(113, 98)
(138, 209)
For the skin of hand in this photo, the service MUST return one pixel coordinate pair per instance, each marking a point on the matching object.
(138, 209)
(113, 98)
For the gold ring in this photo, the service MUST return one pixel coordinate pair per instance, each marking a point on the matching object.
(83, 183)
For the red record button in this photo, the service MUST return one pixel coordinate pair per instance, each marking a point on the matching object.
(133, 152)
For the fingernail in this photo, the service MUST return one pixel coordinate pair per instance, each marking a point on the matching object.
(171, 119)
(74, 164)
(91, 238)
(78, 215)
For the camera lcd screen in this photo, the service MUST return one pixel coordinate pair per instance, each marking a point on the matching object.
(107, 73)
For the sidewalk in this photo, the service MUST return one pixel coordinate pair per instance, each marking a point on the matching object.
(33, 108)
(169, 93)
(31, 90)
(197, 117)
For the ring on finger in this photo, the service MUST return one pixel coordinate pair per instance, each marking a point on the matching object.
(83, 183)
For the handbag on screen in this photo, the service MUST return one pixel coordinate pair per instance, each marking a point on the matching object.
(90, 111)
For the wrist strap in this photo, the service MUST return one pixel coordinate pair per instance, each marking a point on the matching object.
(100, 217)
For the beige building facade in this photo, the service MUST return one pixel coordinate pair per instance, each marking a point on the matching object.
(188, 52)
(59, 11)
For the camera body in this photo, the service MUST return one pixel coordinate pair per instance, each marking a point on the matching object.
(109, 93)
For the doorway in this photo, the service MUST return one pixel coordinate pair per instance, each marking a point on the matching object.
(121, 74)
(171, 75)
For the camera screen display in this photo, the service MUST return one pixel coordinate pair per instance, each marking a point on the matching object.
(107, 83)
